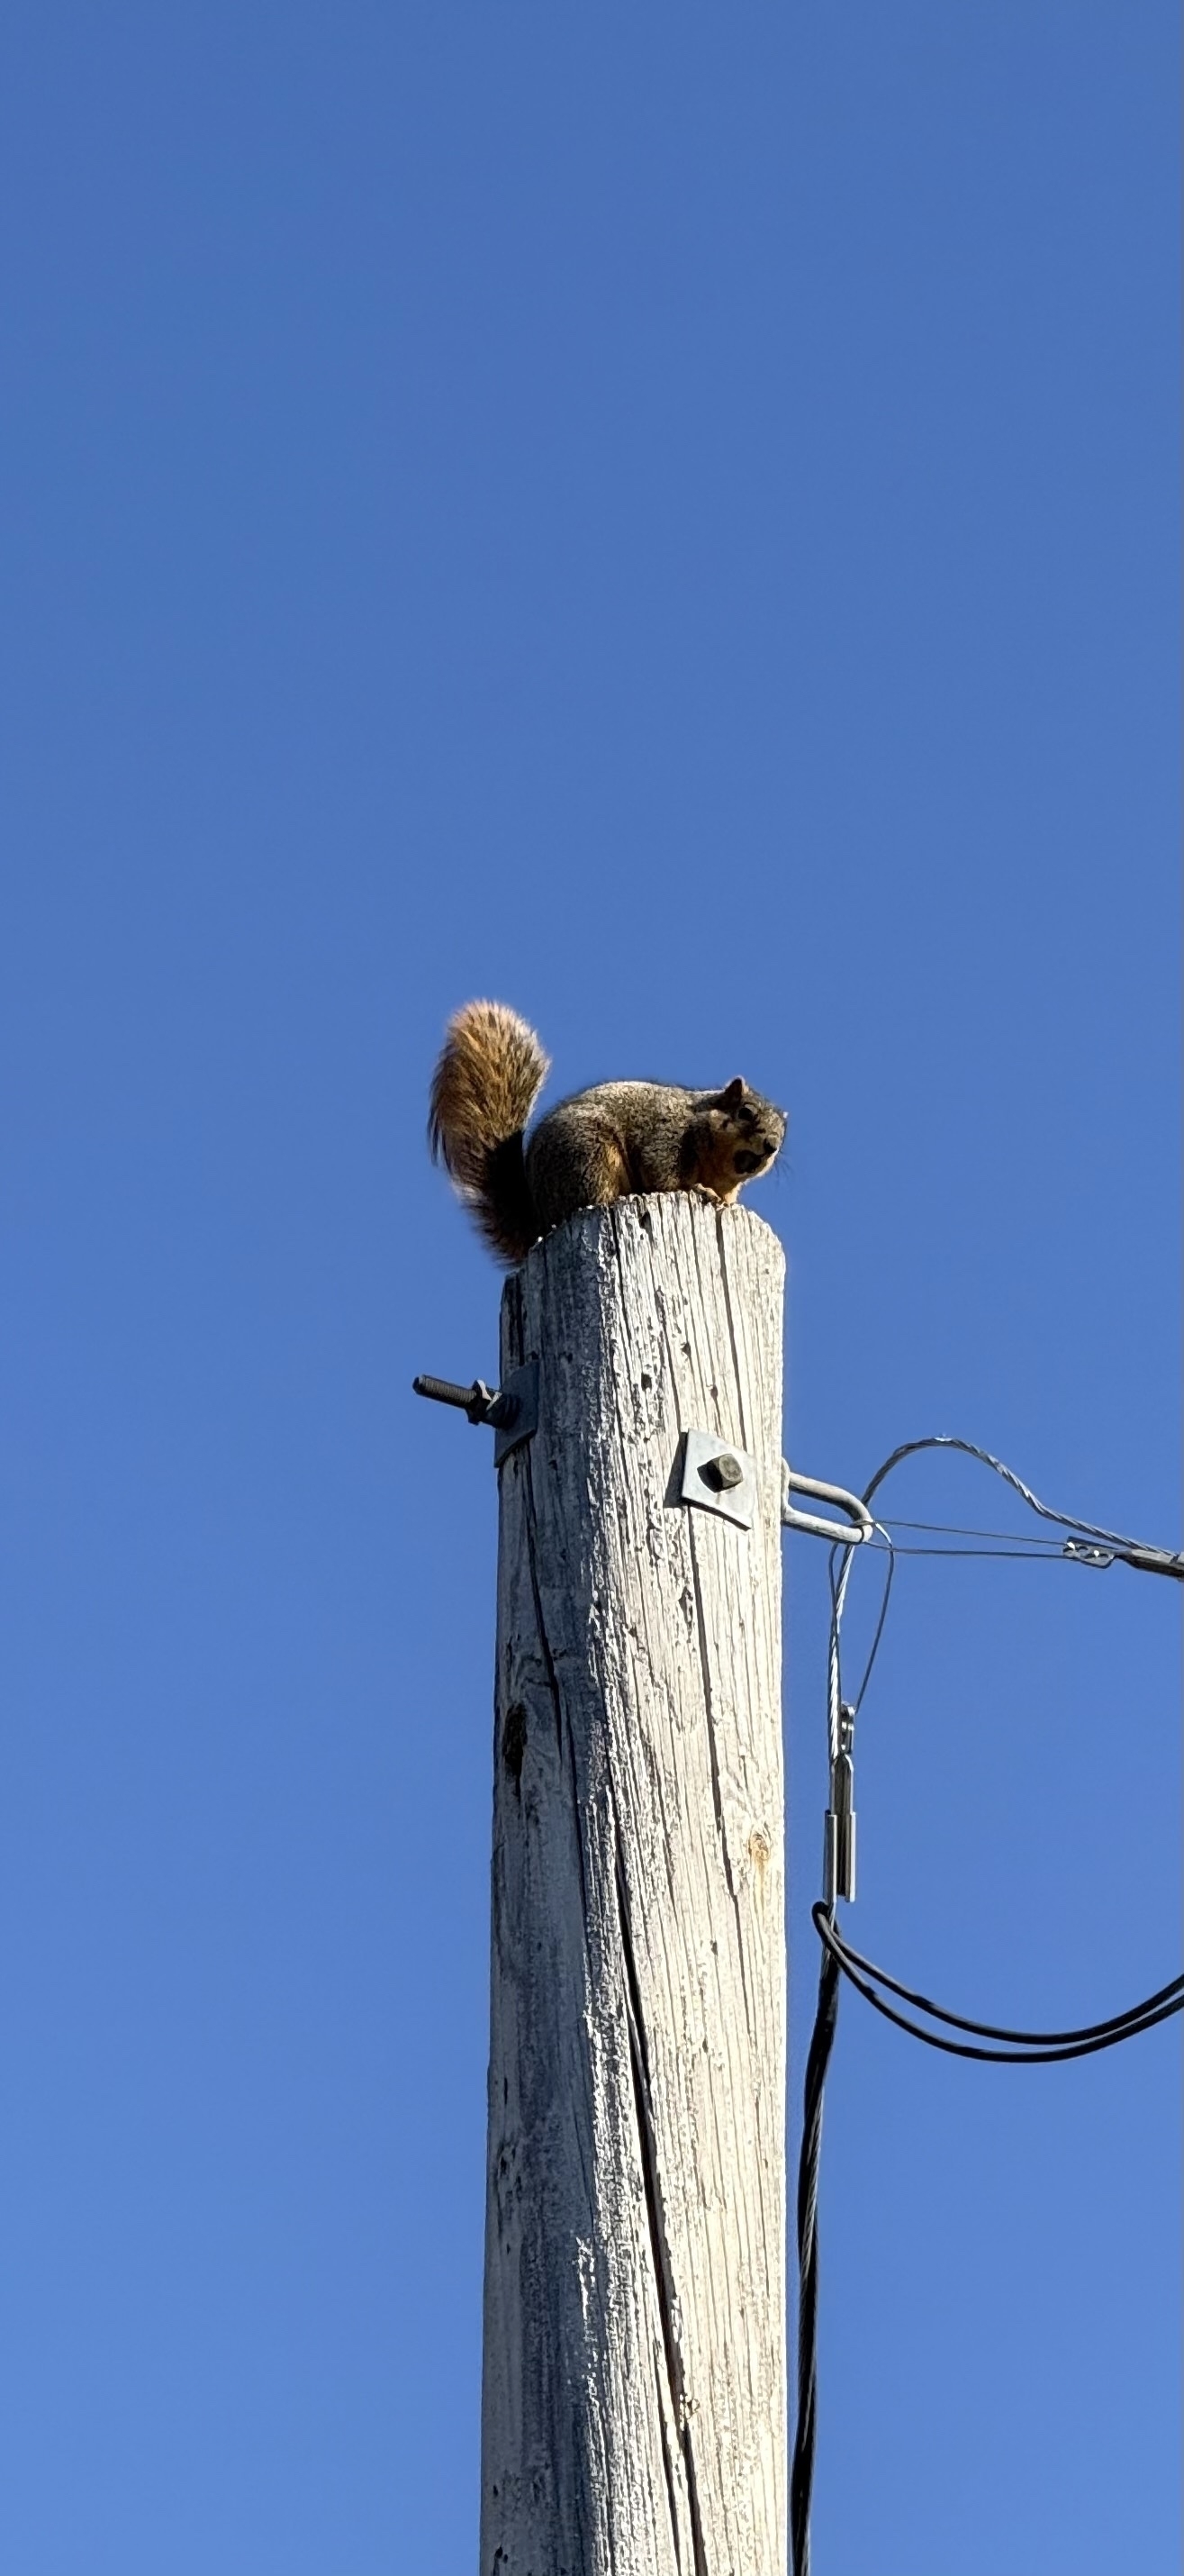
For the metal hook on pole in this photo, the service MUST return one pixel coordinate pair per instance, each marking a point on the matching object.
(857, 1512)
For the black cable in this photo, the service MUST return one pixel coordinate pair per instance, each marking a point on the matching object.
(802, 2471)
(1036, 2047)
(989, 2030)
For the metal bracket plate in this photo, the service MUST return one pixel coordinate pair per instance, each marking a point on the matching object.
(514, 1413)
(718, 1477)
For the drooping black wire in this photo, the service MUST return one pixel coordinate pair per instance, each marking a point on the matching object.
(1035, 2047)
(991, 2030)
(801, 2478)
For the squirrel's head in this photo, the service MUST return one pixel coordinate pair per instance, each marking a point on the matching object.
(737, 1134)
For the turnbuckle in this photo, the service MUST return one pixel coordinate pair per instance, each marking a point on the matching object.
(838, 1870)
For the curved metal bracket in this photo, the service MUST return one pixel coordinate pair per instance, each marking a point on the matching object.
(856, 1511)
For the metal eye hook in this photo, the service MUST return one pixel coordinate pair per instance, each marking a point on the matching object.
(856, 1511)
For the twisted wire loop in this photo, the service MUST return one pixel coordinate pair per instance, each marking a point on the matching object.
(970, 1449)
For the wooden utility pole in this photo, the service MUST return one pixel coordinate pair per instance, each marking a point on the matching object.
(634, 2409)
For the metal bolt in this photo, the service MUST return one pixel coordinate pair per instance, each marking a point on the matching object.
(476, 1400)
(723, 1472)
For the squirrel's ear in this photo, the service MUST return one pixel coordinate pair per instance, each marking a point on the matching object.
(733, 1097)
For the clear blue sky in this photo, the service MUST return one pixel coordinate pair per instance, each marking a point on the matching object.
(668, 516)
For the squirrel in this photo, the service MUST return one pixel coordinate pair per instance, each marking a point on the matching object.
(598, 1146)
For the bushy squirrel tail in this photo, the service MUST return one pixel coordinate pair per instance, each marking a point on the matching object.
(491, 1070)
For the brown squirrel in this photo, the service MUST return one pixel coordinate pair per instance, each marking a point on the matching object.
(596, 1147)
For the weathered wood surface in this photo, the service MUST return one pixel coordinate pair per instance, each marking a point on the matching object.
(634, 2382)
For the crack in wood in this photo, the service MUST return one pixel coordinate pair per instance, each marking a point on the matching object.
(668, 2468)
(721, 1216)
(643, 2113)
(564, 1739)
(666, 2293)
(713, 1755)
(532, 1542)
